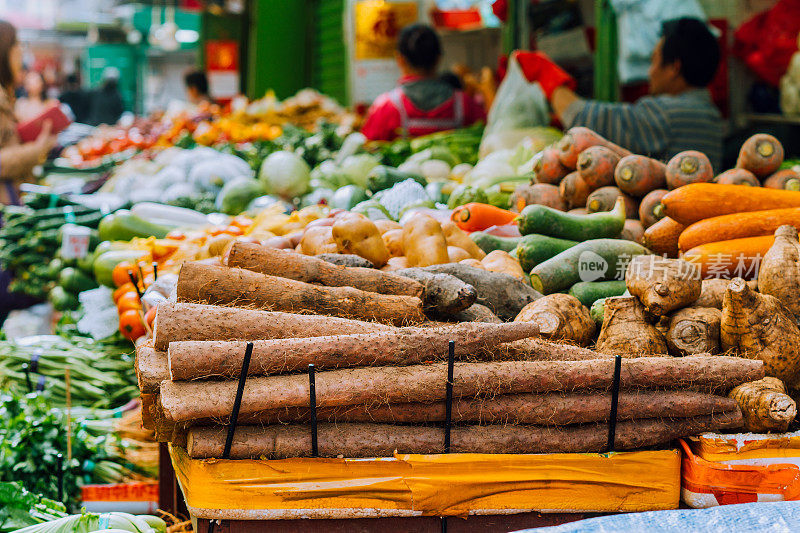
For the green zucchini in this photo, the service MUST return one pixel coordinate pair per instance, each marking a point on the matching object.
(490, 243)
(548, 221)
(597, 259)
(597, 311)
(75, 281)
(535, 249)
(588, 292)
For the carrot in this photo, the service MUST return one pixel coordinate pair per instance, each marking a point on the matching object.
(632, 231)
(637, 175)
(596, 166)
(199, 283)
(309, 269)
(730, 259)
(548, 168)
(697, 201)
(190, 360)
(574, 190)
(478, 217)
(738, 176)
(738, 226)
(538, 193)
(761, 154)
(578, 139)
(650, 208)
(758, 326)
(604, 199)
(688, 167)
(662, 237)
(183, 401)
(787, 178)
(765, 405)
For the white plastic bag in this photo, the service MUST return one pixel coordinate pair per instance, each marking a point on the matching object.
(519, 106)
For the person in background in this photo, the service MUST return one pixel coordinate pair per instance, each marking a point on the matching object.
(106, 103)
(423, 102)
(196, 87)
(76, 98)
(35, 101)
(17, 159)
(678, 114)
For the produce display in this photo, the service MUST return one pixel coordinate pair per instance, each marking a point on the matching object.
(274, 223)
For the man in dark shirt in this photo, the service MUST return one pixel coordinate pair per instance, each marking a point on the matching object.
(76, 98)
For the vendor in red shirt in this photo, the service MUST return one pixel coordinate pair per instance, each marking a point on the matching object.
(422, 103)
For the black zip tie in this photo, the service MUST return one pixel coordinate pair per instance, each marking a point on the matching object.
(237, 402)
(40, 384)
(141, 275)
(444, 524)
(312, 405)
(155, 271)
(135, 284)
(27, 370)
(612, 416)
(448, 406)
(60, 477)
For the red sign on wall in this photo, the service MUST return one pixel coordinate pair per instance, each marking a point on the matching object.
(222, 66)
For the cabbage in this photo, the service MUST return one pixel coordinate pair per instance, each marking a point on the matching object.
(285, 174)
(210, 175)
(357, 167)
(493, 165)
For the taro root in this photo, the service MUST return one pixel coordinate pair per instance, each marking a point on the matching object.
(560, 317)
(779, 273)
(663, 285)
(626, 330)
(694, 330)
(765, 405)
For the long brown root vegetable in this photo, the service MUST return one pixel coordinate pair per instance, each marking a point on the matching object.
(694, 330)
(779, 273)
(663, 236)
(596, 166)
(787, 179)
(548, 168)
(650, 208)
(605, 198)
(626, 330)
(574, 190)
(559, 317)
(632, 231)
(713, 292)
(182, 322)
(554, 409)
(663, 285)
(536, 349)
(761, 154)
(309, 269)
(765, 405)
(383, 440)
(404, 346)
(538, 194)
(738, 176)
(152, 367)
(456, 236)
(199, 283)
(504, 294)
(348, 260)
(578, 139)
(688, 167)
(443, 294)
(759, 326)
(476, 313)
(183, 401)
(637, 175)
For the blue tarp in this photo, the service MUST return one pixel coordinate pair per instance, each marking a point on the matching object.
(777, 517)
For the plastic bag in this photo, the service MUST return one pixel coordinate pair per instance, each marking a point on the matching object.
(518, 106)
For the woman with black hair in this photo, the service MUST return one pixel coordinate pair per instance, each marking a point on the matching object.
(423, 102)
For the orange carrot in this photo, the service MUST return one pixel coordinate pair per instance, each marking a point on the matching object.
(578, 139)
(650, 209)
(738, 226)
(787, 178)
(637, 175)
(761, 154)
(574, 190)
(662, 237)
(548, 168)
(477, 217)
(738, 176)
(688, 167)
(604, 199)
(538, 193)
(697, 201)
(596, 165)
(736, 258)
